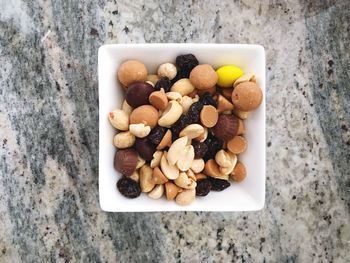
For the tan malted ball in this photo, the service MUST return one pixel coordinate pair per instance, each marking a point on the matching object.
(131, 71)
(247, 96)
(203, 77)
(145, 114)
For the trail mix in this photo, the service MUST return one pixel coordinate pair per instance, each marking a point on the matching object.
(181, 130)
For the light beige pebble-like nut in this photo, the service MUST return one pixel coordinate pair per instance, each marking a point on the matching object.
(241, 114)
(197, 165)
(223, 158)
(135, 176)
(119, 119)
(203, 136)
(127, 108)
(176, 149)
(182, 86)
(146, 182)
(172, 95)
(157, 156)
(192, 131)
(186, 197)
(140, 130)
(169, 170)
(228, 170)
(124, 140)
(185, 182)
(246, 77)
(157, 192)
(171, 114)
(185, 159)
(167, 70)
(140, 162)
(186, 103)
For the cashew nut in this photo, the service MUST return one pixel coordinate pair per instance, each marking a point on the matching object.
(171, 114)
(135, 176)
(229, 169)
(124, 140)
(197, 165)
(169, 170)
(140, 162)
(172, 95)
(244, 78)
(186, 103)
(203, 136)
(192, 131)
(185, 159)
(156, 159)
(186, 197)
(176, 149)
(223, 158)
(119, 119)
(167, 70)
(127, 108)
(185, 182)
(182, 86)
(140, 130)
(157, 192)
(146, 182)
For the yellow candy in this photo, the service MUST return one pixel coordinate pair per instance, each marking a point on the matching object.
(228, 75)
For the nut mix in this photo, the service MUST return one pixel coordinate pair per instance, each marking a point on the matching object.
(180, 130)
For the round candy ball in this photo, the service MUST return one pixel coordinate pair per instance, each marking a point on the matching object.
(145, 114)
(137, 94)
(247, 96)
(228, 75)
(131, 71)
(203, 77)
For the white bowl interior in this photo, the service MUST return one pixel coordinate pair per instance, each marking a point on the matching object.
(245, 196)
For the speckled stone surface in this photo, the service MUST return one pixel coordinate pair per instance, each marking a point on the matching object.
(49, 208)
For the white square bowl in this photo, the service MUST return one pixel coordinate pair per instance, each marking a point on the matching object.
(248, 195)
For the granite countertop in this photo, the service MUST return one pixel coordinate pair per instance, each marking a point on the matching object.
(49, 208)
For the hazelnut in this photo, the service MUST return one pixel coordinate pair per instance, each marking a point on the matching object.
(203, 76)
(124, 140)
(226, 127)
(182, 86)
(247, 96)
(209, 116)
(131, 71)
(125, 161)
(167, 70)
(158, 99)
(145, 114)
(237, 144)
(119, 120)
(239, 172)
(138, 93)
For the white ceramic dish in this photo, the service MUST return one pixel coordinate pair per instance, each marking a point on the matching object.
(248, 195)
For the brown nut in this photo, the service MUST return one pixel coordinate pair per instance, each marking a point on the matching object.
(227, 93)
(146, 182)
(224, 104)
(211, 90)
(200, 176)
(239, 172)
(171, 190)
(124, 140)
(209, 116)
(145, 148)
(237, 145)
(157, 192)
(182, 86)
(153, 78)
(244, 78)
(203, 76)
(247, 96)
(211, 169)
(131, 71)
(119, 119)
(241, 114)
(158, 99)
(145, 114)
(186, 197)
(158, 177)
(166, 141)
(125, 161)
(138, 93)
(241, 127)
(226, 128)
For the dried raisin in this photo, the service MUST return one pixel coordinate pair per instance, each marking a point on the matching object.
(186, 63)
(218, 184)
(203, 187)
(214, 145)
(200, 149)
(156, 135)
(194, 111)
(181, 123)
(164, 83)
(207, 99)
(128, 187)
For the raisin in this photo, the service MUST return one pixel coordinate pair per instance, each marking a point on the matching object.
(194, 111)
(200, 149)
(203, 187)
(164, 83)
(128, 187)
(186, 63)
(207, 99)
(214, 145)
(218, 184)
(156, 135)
(181, 123)
(180, 75)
